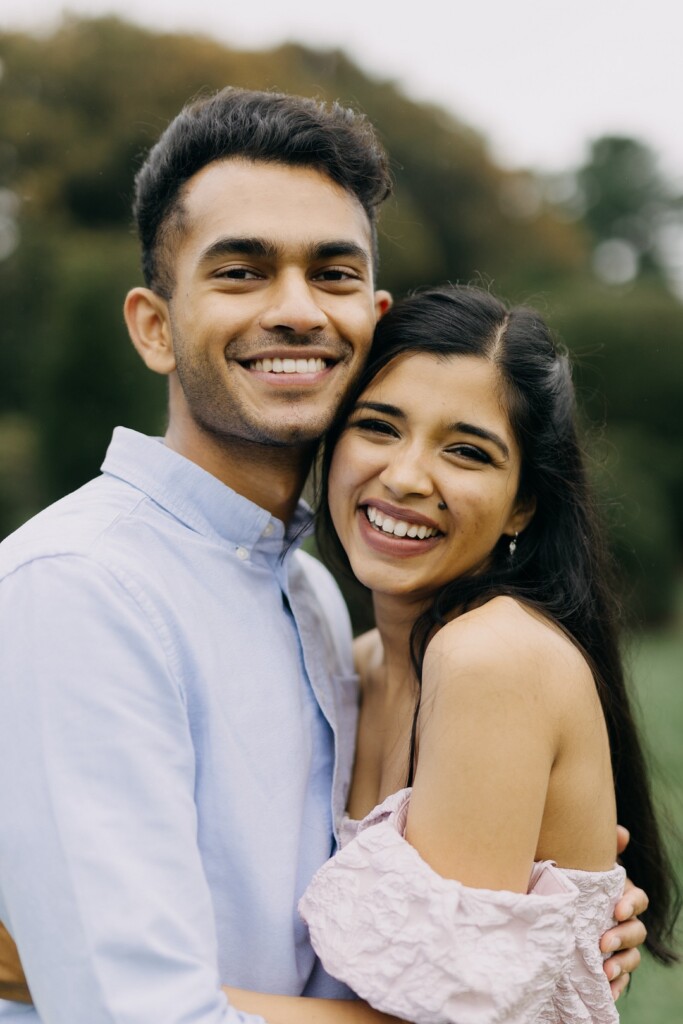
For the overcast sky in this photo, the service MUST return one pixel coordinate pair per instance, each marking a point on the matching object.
(538, 77)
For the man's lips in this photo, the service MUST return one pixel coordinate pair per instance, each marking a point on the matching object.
(290, 366)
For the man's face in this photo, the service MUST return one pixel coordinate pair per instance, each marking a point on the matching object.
(273, 307)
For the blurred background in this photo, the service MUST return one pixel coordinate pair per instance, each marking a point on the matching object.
(536, 151)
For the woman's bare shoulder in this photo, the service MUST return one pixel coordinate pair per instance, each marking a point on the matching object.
(505, 642)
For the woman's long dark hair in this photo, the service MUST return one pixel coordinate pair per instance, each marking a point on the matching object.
(560, 566)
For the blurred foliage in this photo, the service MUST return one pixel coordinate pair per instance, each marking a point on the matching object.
(627, 347)
(626, 197)
(78, 111)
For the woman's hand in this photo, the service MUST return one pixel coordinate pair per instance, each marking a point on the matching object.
(629, 934)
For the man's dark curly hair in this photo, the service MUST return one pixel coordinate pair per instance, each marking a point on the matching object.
(273, 127)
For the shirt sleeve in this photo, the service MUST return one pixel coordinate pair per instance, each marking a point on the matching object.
(429, 949)
(101, 880)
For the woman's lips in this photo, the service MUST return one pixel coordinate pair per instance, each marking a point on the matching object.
(388, 543)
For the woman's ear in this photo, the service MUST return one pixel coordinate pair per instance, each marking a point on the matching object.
(521, 516)
(147, 319)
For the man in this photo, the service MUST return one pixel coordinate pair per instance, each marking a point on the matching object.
(178, 695)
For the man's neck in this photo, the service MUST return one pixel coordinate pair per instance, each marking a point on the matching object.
(271, 477)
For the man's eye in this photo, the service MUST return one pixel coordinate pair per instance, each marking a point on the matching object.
(238, 274)
(336, 274)
(469, 451)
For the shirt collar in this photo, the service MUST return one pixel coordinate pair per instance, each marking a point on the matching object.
(198, 498)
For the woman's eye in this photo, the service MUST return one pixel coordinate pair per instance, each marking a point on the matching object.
(469, 451)
(375, 427)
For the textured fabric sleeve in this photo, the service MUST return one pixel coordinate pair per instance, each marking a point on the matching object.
(431, 950)
(103, 887)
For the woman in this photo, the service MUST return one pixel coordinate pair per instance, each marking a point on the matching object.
(492, 686)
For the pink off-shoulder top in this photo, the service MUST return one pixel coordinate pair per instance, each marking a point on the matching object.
(433, 951)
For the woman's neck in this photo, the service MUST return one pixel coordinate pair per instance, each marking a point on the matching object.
(395, 618)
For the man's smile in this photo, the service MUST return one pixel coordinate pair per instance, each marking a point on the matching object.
(288, 365)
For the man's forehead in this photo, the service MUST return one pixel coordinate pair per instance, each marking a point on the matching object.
(278, 203)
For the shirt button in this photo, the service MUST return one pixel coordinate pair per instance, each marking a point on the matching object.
(242, 554)
(268, 532)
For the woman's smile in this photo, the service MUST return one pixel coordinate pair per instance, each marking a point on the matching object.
(395, 532)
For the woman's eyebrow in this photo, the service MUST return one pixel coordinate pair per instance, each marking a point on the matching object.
(485, 435)
(381, 407)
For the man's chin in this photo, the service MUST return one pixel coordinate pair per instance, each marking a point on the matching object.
(286, 437)
(294, 433)
(295, 437)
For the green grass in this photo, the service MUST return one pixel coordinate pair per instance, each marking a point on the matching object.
(657, 665)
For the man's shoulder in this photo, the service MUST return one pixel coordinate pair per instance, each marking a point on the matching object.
(73, 526)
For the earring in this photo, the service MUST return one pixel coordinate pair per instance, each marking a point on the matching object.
(442, 506)
(513, 544)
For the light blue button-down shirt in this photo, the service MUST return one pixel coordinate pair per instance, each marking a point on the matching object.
(177, 716)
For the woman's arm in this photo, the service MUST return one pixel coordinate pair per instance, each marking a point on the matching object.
(489, 731)
(503, 718)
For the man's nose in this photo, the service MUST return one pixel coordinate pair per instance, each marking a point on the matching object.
(293, 306)
(407, 472)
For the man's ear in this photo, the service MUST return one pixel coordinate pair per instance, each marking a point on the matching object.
(147, 319)
(383, 302)
(521, 516)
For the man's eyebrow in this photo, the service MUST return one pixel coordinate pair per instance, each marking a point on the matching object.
(260, 248)
(485, 435)
(338, 249)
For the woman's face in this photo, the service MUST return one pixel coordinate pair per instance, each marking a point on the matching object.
(427, 431)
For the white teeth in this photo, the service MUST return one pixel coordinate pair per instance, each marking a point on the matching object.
(287, 365)
(397, 527)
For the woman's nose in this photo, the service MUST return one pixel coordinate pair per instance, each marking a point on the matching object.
(407, 472)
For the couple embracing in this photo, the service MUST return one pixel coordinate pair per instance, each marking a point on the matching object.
(180, 699)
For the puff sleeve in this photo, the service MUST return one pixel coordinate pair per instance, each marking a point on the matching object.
(429, 949)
